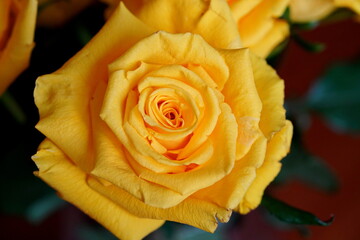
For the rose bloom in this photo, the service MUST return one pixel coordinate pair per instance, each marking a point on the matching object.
(17, 26)
(258, 21)
(57, 13)
(314, 10)
(144, 126)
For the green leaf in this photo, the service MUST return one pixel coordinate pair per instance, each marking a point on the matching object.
(278, 49)
(46, 4)
(83, 33)
(13, 107)
(19, 193)
(44, 207)
(336, 97)
(305, 26)
(94, 232)
(312, 170)
(309, 46)
(339, 14)
(191, 233)
(179, 231)
(286, 15)
(289, 214)
(19, 188)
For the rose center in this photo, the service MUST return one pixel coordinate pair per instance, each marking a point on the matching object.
(168, 112)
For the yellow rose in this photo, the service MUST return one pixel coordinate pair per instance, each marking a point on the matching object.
(144, 126)
(17, 26)
(54, 13)
(259, 25)
(314, 10)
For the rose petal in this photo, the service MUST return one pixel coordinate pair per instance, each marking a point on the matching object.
(56, 170)
(199, 15)
(277, 148)
(254, 26)
(313, 10)
(310, 10)
(192, 100)
(195, 212)
(241, 94)
(230, 190)
(113, 112)
(216, 167)
(354, 5)
(270, 88)
(208, 98)
(112, 165)
(274, 37)
(220, 19)
(240, 8)
(201, 72)
(175, 49)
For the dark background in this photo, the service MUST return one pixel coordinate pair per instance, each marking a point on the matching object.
(298, 67)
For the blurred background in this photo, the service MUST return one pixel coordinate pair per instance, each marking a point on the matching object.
(321, 69)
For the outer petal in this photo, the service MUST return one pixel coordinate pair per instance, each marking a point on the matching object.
(313, 10)
(192, 211)
(310, 10)
(256, 24)
(63, 97)
(223, 31)
(191, 16)
(277, 148)
(14, 58)
(175, 49)
(271, 91)
(279, 31)
(240, 8)
(229, 191)
(354, 5)
(57, 170)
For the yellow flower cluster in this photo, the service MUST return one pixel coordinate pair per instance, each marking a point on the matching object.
(170, 112)
(163, 116)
